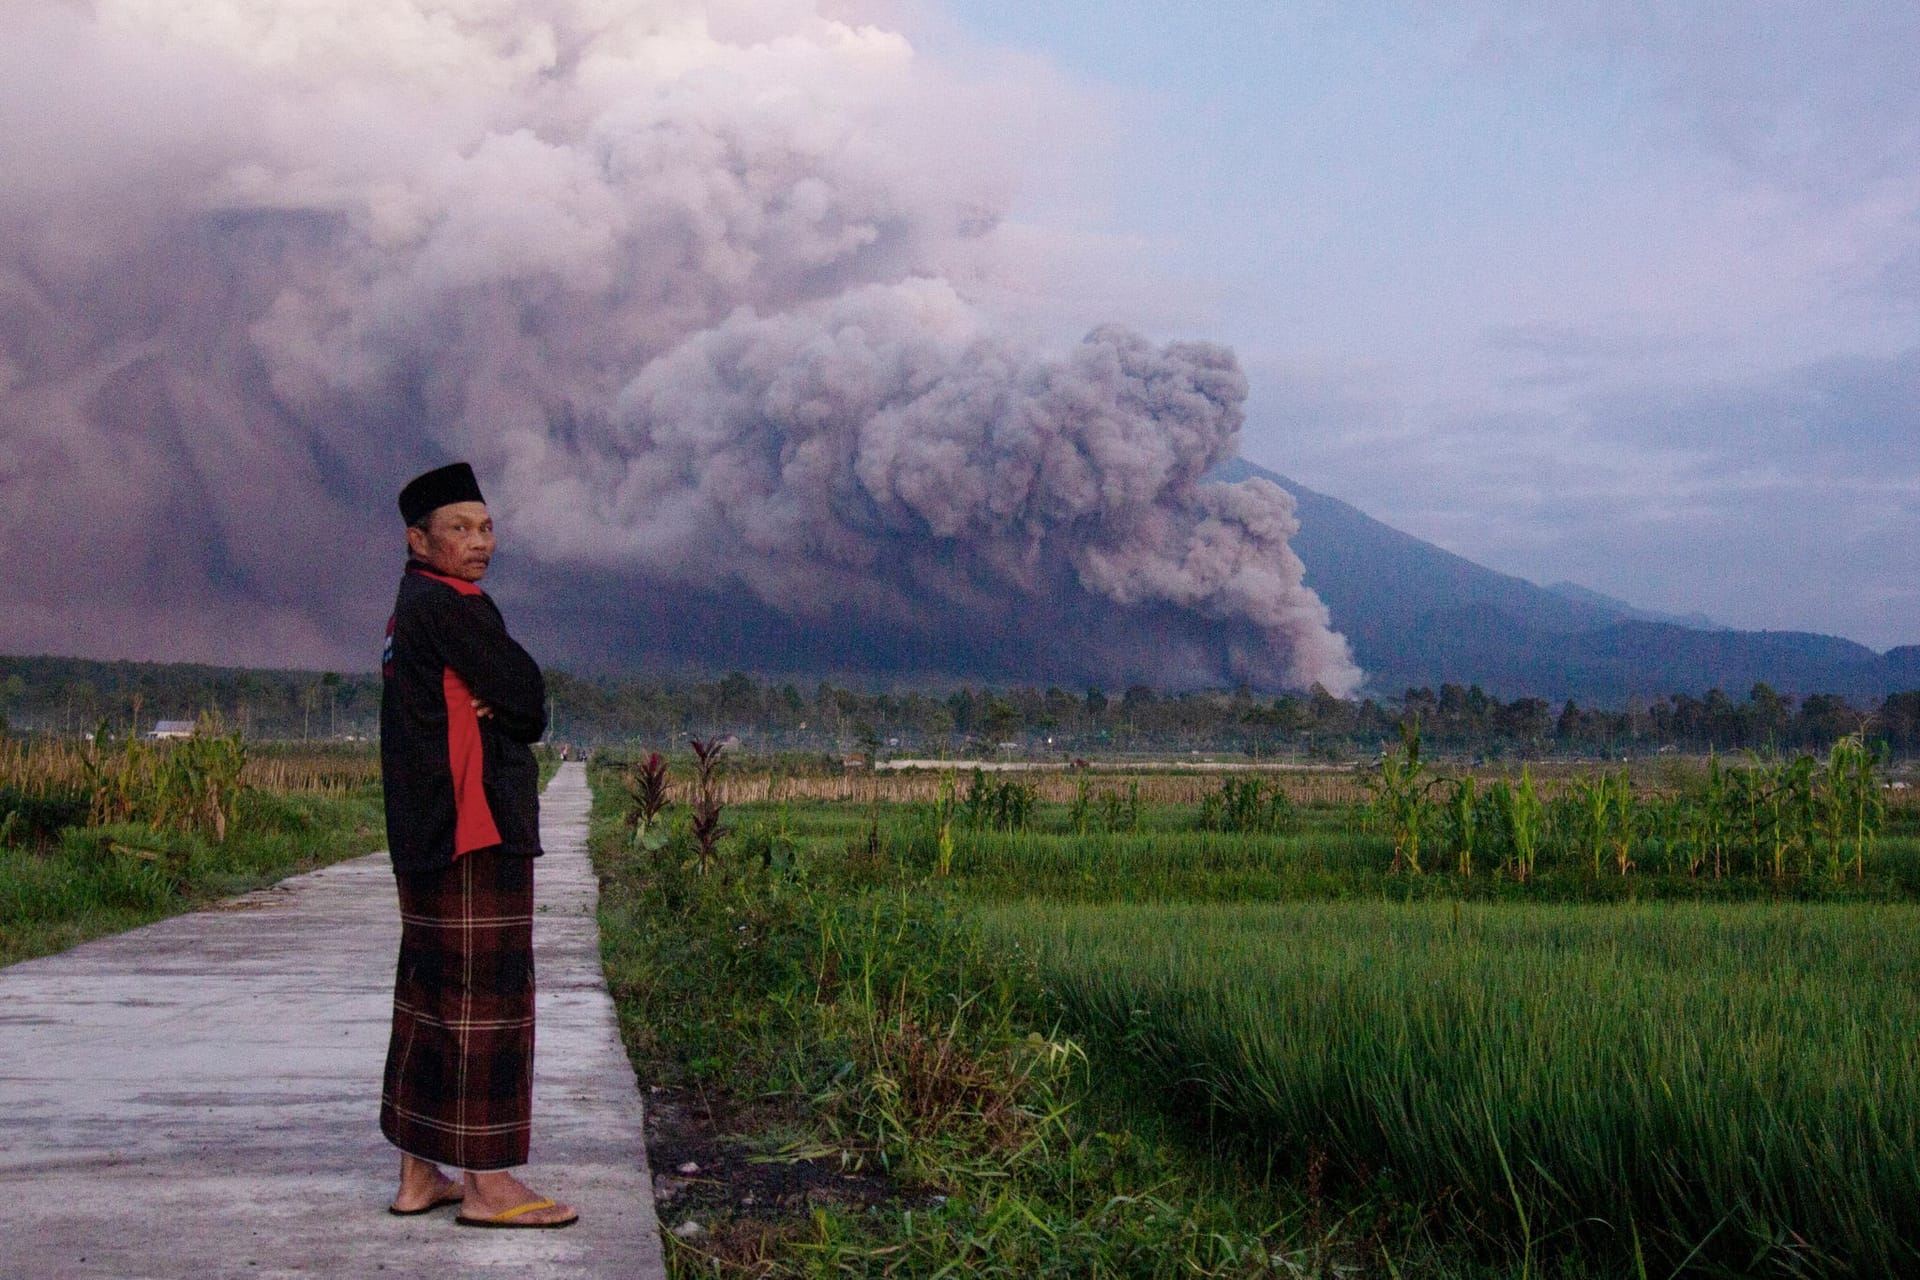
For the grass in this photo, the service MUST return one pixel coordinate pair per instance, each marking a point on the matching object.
(63, 882)
(1736, 1081)
(1165, 1050)
(862, 1020)
(92, 881)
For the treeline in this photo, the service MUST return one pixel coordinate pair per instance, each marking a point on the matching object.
(71, 695)
(1063, 722)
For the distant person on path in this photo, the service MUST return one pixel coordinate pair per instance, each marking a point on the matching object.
(463, 705)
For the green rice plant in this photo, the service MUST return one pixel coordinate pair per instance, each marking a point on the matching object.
(92, 880)
(1697, 1084)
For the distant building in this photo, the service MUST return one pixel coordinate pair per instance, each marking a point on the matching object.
(171, 730)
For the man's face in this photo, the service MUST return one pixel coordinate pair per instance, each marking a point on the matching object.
(457, 542)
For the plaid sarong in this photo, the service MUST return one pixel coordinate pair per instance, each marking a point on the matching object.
(459, 1078)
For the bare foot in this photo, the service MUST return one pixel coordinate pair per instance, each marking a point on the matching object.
(498, 1192)
(423, 1186)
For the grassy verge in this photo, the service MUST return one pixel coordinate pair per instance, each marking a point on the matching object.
(92, 881)
(850, 1026)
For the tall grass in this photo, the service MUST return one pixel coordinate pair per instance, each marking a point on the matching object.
(94, 880)
(870, 1025)
(101, 836)
(58, 767)
(1727, 1083)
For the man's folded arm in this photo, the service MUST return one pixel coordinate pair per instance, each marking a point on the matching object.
(474, 642)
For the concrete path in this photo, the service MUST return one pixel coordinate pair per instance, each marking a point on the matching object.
(200, 1098)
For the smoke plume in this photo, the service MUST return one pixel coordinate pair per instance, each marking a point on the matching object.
(696, 286)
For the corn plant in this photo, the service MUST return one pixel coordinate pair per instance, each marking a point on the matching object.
(1001, 804)
(1592, 799)
(979, 799)
(1789, 788)
(1855, 808)
(1522, 812)
(1624, 821)
(1400, 796)
(1120, 811)
(1080, 812)
(1713, 810)
(1462, 813)
(1246, 805)
(197, 783)
(942, 822)
(193, 786)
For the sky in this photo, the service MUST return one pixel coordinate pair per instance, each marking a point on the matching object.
(1624, 295)
(909, 333)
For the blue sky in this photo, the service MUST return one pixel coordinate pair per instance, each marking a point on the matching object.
(1624, 294)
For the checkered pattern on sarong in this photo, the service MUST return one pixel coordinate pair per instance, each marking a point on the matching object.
(459, 1078)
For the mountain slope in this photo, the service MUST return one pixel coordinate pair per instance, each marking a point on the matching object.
(1419, 615)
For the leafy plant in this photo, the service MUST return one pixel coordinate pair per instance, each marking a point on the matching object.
(942, 821)
(1248, 805)
(1120, 810)
(1400, 797)
(1855, 806)
(1463, 814)
(648, 792)
(705, 825)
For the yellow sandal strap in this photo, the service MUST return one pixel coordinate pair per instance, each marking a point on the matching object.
(530, 1206)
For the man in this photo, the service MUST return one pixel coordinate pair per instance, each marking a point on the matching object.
(463, 704)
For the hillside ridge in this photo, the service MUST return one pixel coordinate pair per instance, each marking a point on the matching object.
(1418, 615)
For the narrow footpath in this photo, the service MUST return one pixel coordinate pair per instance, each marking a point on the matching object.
(200, 1098)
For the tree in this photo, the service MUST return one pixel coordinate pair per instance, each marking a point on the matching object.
(1767, 714)
(331, 683)
(869, 739)
(999, 719)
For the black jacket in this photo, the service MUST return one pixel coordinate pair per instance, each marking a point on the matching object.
(455, 782)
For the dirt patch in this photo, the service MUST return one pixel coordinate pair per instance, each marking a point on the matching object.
(724, 1165)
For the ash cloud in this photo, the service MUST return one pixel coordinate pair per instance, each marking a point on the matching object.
(693, 285)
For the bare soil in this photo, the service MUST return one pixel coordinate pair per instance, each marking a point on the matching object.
(716, 1160)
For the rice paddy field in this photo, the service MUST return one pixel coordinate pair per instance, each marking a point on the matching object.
(1681, 1040)
(1660, 1077)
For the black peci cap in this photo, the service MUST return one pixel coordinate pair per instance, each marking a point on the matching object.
(427, 493)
